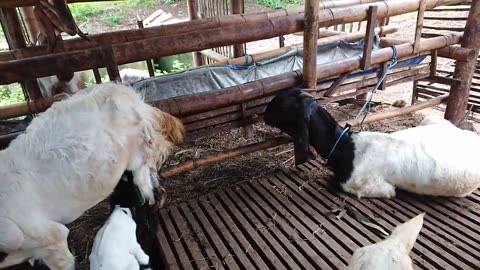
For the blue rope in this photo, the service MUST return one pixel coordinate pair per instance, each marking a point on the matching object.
(367, 105)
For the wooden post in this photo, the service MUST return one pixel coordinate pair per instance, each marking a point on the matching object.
(31, 23)
(110, 63)
(458, 100)
(310, 37)
(193, 14)
(418, 29)
(370, 35)
(14, 34)
(368, 45)
(238, 8)
(151, 70)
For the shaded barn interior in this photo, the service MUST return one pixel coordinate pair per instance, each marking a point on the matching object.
(291, 219)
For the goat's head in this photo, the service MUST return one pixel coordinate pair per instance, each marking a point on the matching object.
(290, 111)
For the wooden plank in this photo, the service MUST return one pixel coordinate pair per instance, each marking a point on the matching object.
(257, 242)
(189, 241)
(165, 244)
(369, 36)
(267, 232)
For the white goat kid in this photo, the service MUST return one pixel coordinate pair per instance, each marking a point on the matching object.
(115, 246)
(69, 159)
(69, 84)
(391, 253)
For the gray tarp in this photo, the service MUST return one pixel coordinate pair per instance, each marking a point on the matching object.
(213, 78)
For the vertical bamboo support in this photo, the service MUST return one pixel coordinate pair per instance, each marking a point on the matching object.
(151, 70)
(310, 37)
(419, 27)
(16, 40)
(193, 14)
(458, 99)
(110, 63)
(368, 45)
(238, 8)
(31, 23)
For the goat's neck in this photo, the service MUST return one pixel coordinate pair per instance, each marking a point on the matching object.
(324, 133)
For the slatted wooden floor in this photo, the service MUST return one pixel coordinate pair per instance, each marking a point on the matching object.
(284, 221)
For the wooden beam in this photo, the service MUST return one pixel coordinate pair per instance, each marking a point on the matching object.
(333, 88)
(419, 27)
(458, 101)
(14, 34)
(26, 3)
(151, 69)
(193, 14)
(238, 8)
(370, 35)
(310, 36)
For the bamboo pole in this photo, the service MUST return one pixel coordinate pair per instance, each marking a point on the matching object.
(452, 52)
(327, 37)
(186, 105)
(26, 3)
(310, 37)
(14, 34)
(193, 14)
(24, 108)
(223, 155)
(237, 94)
(166, 30)
(31, 23)
(181, 43)
(269, 143)
(458, 101)
(238, 8)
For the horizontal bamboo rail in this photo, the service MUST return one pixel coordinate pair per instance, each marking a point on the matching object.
(40, 105)
(123, 36)
(452, 52)
(237, 94)
(269, 143)
(17, 70)
(327, 37)
(26, 3)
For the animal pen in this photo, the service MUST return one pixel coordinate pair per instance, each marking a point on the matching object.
(281, 221)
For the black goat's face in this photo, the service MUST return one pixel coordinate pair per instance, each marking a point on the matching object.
(290, 111)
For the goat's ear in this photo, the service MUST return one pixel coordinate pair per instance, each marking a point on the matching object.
(302, 142)
(171, 127)
(301, 146)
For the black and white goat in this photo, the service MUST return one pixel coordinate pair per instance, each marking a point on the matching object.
(435, 158)
(115, 246)
(69, 159)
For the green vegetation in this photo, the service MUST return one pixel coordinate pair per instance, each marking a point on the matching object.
(176, 66)
(11, 94)
(278, 3)
(141, 2)
(84, 11)
(114, 18)
(170, 2)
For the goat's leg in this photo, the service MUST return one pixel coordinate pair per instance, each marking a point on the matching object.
(142, 179)
(56, 255)
(373, 187)
(140, 255)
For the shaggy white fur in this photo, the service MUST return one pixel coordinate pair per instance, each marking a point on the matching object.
(115, 246)
(69, 159)
(435, 158)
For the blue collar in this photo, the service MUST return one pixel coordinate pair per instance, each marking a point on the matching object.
(347, 128)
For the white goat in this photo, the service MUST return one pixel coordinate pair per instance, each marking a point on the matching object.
(391, 253)
(435, 158)
(52, 85)
(115, 246)
(69, 159)
(131, 75)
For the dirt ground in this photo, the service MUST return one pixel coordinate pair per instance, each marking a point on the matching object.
(246, 168)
